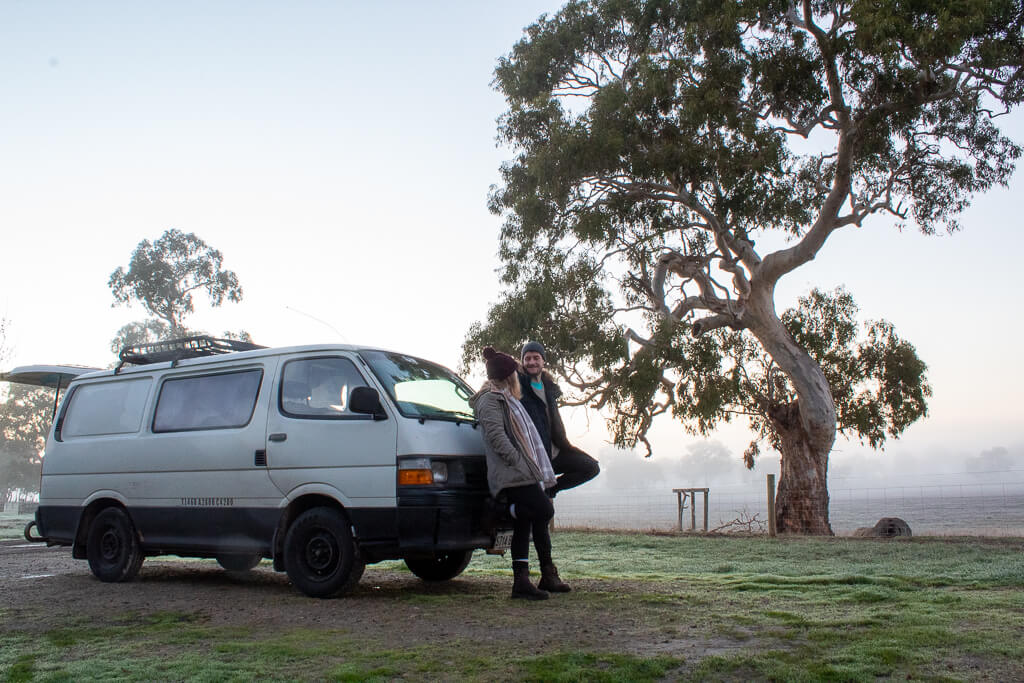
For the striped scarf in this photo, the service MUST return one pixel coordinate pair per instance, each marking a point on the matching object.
(529, 439)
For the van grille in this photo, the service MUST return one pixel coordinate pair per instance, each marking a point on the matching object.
(476, 471)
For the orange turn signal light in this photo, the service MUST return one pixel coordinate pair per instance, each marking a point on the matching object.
(415, 477)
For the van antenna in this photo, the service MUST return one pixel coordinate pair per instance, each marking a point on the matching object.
(322, 322)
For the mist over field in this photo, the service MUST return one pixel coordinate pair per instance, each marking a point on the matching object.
(712, 463)
(940, 492)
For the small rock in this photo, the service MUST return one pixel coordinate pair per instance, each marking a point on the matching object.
(887, 527)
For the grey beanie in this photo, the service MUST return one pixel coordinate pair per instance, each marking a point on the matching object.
(533, 346)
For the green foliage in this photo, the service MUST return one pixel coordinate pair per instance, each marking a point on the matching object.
(877, 380)
(141, 332)
(154, 330)
(163, 275)
(656, 142)
(24, 421)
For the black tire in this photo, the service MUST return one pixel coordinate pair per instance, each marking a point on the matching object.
(320, 554)
(112, 546)
(239, 562)
(440, 567)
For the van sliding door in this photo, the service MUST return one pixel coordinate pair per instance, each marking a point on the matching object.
(207, 485)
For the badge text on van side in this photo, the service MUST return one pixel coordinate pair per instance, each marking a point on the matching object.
(208, 502)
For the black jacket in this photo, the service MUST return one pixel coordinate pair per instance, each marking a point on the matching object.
(545, 417)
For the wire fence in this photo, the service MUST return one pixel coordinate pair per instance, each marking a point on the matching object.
(984, 509)
(963, 508)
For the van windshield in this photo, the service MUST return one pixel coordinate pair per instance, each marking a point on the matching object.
(420, 388)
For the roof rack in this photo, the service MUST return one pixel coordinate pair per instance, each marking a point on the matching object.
(179, 349)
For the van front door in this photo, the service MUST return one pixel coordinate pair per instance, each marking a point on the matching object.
(317, 446)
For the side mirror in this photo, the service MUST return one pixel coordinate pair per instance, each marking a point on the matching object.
(366, 400)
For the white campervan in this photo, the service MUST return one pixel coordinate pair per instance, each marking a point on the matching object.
(321, 458)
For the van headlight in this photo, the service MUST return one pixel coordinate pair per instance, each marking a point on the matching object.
(421, 472)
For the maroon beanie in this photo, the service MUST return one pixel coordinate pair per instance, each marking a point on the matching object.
(499, 365)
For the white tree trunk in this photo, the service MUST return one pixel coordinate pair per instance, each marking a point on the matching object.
(806, 428)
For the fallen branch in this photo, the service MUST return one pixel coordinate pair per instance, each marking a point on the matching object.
(745, 523)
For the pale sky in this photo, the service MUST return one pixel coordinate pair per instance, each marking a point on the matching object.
(339, 154)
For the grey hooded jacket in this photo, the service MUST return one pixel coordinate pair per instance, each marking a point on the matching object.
(507, 466)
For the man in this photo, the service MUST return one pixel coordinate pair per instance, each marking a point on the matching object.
(540, 396)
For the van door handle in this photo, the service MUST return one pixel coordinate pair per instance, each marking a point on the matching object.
(278, 436)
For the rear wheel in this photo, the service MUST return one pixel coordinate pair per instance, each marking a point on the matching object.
(238, 563)
(112, 546)
(440, 566)
(320, 553)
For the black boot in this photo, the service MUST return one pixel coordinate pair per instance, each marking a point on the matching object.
(551, 581)
(521, 586)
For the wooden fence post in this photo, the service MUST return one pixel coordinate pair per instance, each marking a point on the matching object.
(679, 507)
(771, 505)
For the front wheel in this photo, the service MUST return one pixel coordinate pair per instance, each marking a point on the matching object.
(440, 566)
(112, 546)
(238, 563)
(320, 553)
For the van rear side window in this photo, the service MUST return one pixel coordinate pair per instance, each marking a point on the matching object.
(106, 408)
(207, 402)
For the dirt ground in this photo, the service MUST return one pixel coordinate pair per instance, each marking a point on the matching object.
(39, 586)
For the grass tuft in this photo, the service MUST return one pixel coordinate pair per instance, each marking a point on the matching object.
(23, 669)
(582, 668)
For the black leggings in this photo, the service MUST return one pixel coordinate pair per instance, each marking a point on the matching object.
(573, 467)
(533, 512)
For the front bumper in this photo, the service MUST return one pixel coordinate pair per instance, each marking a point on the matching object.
(442, 520)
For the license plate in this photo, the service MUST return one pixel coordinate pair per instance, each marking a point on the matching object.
(502, 540)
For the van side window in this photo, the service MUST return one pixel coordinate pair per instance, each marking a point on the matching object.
(207, 402)
(106, 408)
(318, 388)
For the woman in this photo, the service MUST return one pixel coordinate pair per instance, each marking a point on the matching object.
(518, 467)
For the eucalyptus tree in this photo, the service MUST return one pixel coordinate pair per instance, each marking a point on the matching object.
(142, 332)
(674, 160)
(163, 275)
(25, 415)
(24, 420)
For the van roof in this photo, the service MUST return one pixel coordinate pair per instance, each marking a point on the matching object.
(49, 375)
(232, 357)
